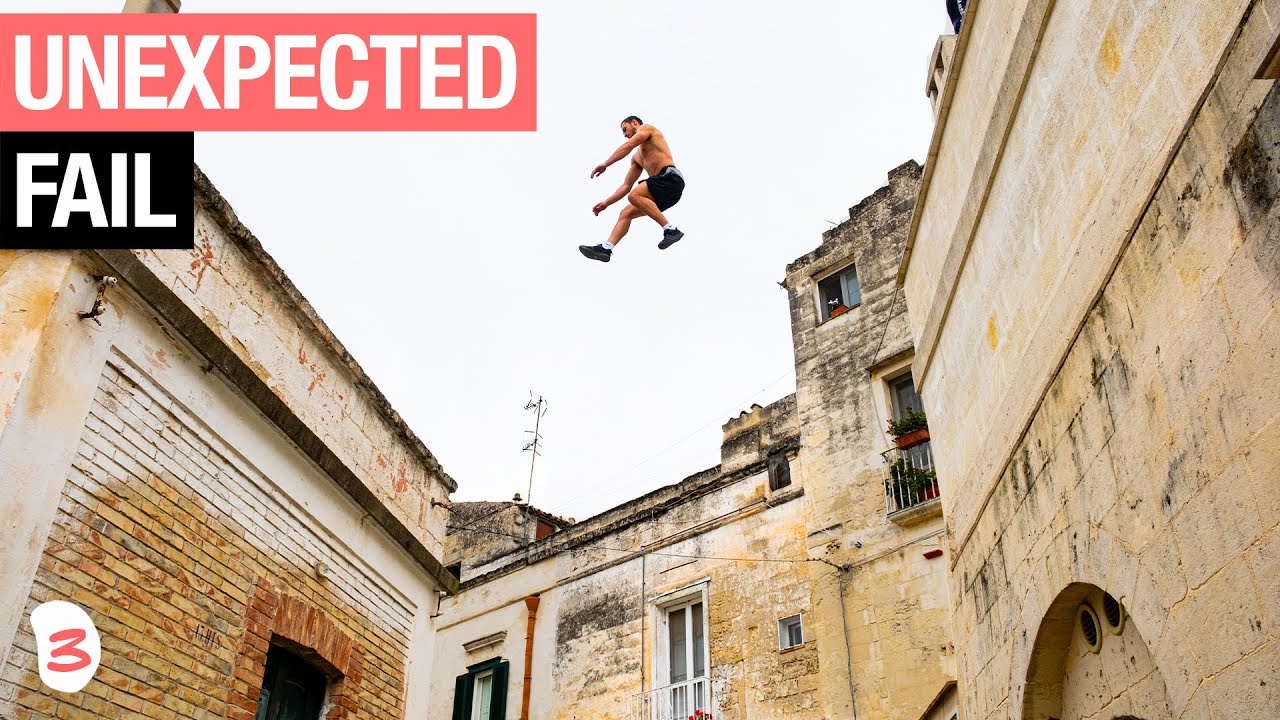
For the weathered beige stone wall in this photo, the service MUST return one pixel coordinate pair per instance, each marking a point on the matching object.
(600, 600)
(842, 429)
(481, 532)
(1119, 678)
(893, 622)
(1106, 96)
(499, 529)
(1144, 468)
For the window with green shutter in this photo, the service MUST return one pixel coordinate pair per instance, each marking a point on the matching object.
(481, 692)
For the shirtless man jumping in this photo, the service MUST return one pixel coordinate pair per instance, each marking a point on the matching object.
(656, 193)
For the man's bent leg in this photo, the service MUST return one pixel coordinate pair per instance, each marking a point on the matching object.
(621, 227)
(642, 201)
(604, 252)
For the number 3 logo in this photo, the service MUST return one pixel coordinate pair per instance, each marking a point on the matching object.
(72, 637)
(67, 644)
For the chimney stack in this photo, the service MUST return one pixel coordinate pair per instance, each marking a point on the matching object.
(152, 6)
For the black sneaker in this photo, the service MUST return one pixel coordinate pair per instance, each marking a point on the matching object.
(669, 238)
(596, 252)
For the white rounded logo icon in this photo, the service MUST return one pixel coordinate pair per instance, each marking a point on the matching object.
(67, 644)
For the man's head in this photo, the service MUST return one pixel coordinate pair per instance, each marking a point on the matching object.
(630, 125)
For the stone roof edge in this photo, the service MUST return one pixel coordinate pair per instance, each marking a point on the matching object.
(910, 168)
(630, 512)
(217, 206)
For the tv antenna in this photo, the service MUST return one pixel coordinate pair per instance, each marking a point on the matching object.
(539, 408)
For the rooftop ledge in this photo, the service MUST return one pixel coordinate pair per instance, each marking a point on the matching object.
(945, 64)
(1010, 86)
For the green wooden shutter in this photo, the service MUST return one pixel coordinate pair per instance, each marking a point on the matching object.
(462, 697)
(498, 708)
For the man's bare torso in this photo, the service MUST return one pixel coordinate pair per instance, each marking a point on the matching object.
(653, 154)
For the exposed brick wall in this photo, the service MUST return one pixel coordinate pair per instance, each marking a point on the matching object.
(184, 555)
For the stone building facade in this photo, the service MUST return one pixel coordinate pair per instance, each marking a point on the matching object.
(480, 532)
(1093, 277)
(574, 621)
(797, 579)
(852, 370)
(205, 470)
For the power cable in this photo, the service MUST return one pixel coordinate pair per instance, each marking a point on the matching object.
(663, 554)
(558, 509)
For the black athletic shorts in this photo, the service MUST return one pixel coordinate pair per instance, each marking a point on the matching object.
(666, 187)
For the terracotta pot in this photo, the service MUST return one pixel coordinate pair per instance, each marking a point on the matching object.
(930, 492)
(911, 439)
(839, 310)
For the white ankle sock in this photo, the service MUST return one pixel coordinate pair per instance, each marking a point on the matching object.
(668, 226)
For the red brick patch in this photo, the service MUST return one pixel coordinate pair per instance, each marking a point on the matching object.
(306, 630)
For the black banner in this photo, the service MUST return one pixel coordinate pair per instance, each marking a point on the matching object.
(97, 190)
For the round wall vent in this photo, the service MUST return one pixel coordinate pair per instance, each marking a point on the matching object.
(1113, 612)
(1090, 628)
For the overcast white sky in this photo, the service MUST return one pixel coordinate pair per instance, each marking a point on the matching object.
(448, 264)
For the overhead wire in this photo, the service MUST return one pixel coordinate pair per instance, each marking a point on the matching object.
(559, 508)
(663, 554)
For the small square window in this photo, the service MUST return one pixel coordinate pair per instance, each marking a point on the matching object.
(790, 632)
(838, 293)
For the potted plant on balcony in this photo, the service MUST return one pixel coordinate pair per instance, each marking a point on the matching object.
(699, 715)
(912, 482)
(911, 430)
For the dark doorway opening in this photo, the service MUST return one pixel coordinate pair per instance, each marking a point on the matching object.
(292, 689)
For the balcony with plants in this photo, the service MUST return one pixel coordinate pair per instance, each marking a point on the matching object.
(911, 483)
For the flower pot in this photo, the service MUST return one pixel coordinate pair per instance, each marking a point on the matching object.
(839, 310)
(929, 492)
(911, 439)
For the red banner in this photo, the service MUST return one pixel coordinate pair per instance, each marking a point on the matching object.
(268, 72)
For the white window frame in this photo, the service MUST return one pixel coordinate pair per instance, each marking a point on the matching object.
(889, 382)
(476, 698)
(882, 378)
(784, 626)
(662, 606)
(824, 313)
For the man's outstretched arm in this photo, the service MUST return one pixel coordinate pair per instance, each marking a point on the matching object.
(623, 150)
(633, 174)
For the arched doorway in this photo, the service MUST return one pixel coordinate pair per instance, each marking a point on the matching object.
(1090, 662)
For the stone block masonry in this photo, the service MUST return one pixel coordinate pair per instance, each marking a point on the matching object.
(1107, 372)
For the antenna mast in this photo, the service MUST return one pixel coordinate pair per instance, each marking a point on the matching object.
(539, 408)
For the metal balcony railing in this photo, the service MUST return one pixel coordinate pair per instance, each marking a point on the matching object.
(678, 701)
(910, 479)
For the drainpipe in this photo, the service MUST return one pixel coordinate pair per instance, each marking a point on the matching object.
(530, 602)
(841, 574)
(644, 611)
(848, 646)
